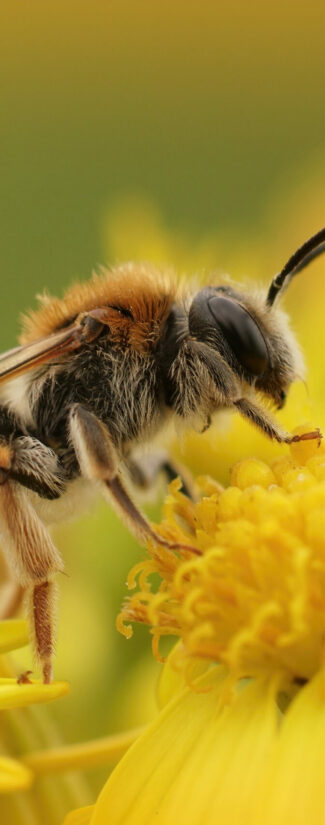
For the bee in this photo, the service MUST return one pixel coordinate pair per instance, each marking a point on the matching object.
(99, 373)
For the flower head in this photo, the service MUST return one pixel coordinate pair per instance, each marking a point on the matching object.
(254, 598)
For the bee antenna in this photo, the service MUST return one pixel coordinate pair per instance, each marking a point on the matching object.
(298, 261)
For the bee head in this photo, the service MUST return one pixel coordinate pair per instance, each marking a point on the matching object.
(257, 345)
(253, 337)
(239, 339)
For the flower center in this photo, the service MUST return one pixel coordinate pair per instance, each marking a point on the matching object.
(255, 597)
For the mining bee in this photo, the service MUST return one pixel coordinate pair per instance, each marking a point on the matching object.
(100, 372)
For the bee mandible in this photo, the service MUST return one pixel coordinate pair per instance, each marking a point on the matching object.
(100, 372)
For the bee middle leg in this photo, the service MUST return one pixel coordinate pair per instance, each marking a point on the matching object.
(99, 461)
(144, 472)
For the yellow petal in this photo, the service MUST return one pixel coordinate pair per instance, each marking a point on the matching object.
(13, 695)
(294, 787)
(81, 816)
(83, 754)
(200, 762)
(13, 776)
(13, 634)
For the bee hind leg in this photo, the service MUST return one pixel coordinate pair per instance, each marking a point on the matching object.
(34, 561)
(99, 461)
(27, 463)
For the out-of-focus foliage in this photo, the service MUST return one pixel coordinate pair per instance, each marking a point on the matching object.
(209, 108)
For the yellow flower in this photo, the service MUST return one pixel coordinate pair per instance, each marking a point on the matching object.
(254, 596)
(240, 736)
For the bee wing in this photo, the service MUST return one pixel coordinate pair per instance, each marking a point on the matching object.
(21, 359)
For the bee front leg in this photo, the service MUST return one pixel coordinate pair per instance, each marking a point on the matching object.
(35, 560)
(258, 416)
(99, 461)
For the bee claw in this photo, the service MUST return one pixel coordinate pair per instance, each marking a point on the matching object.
(307, 436)
(24, 679)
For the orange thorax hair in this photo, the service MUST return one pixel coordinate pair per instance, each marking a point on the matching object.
(143, 291)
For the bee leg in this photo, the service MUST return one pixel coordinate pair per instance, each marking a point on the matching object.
(11, 593)
(35, 560)
(26, 460)
(99, 461)
(43, 599)
(258, 416)
(144, 472)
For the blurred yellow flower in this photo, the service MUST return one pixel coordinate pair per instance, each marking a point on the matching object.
(15, 775)
(242, 696)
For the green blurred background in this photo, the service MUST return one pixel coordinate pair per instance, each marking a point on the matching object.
(190, 133)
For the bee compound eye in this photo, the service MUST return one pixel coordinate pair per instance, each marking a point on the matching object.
(241, 332)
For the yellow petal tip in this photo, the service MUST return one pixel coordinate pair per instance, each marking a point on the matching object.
(13, 694)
